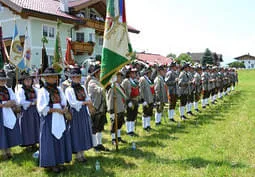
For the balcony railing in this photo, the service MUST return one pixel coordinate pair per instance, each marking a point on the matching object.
(97, 25)
(82, 47)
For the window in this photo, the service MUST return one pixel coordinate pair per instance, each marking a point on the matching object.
(51, 32)
(48, 31)
(92, 14)
(91, 37)
(1, 8)
(50, 59)
(80, 37)
(101, 40)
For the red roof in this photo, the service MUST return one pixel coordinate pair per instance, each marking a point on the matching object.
(153, 58)
(132, 29)
(51, 7)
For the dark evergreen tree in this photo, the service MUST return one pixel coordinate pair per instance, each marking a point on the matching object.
(207, 58)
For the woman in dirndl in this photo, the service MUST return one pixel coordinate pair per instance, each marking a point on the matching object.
(9, 126)
(29, 120)
(55, 142)
(81, 126)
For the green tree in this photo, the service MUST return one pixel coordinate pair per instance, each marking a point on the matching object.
(183, 58)
(207, 57)
(236, 64)
(172, 55)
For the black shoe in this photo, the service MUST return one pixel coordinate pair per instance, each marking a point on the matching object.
(183, 118)
(190, 113)
(213, 102)
(172, 120)
(146, 129)
(134, 134)
(9, 155)
(96, 149)
(100, 147)
(130, 133)
(197, 110)
(55, 170)
(204, 107)
(158, 123)
(121, 140)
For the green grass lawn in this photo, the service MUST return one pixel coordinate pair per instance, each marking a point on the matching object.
(218, 142)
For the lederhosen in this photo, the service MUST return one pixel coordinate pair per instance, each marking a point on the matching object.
(132, 112)
(183, 97)
(99, 119)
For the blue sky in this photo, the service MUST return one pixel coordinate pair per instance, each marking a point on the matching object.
(223, 26)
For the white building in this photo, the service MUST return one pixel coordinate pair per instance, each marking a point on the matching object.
(248, 60)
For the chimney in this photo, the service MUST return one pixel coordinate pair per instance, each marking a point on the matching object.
(64, 5)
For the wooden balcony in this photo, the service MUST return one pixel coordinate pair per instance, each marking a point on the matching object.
(80, 48)
(97, 25)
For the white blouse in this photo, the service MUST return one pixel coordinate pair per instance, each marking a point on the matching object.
(71, 98)
(21, 98)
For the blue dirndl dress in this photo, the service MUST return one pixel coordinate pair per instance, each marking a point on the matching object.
(53, 151)
(29, 120)
(81, 124)
(8, 137)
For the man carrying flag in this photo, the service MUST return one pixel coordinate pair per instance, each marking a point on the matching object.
(116, 48)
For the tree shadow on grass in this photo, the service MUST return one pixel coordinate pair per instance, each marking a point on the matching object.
(107, 165)
(198, 162)
(216, 112)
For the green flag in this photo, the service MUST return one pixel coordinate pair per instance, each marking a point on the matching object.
(117, 49)
(57, 62)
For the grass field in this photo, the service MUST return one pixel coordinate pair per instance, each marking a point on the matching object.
(218, 142)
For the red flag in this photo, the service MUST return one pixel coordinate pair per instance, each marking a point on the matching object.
(69, 59)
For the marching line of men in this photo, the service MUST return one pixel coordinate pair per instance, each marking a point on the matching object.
(69, 117)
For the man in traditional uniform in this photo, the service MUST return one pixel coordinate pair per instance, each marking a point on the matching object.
(171, 81)
(191, 89)
(212, 80)
(97, 95)
(160, 94)
(221, 82)
(205, 89)
(131, 88)
(147, 98)
(198, 86)
(183, 86)
(120, 108)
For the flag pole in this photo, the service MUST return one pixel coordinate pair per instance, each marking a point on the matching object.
(115, 115)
